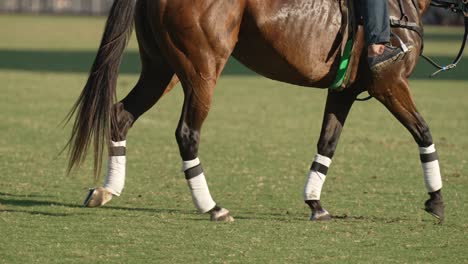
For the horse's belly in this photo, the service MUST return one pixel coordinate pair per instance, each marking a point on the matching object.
(293, 41)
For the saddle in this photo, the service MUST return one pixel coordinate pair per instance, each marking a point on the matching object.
(352, 45)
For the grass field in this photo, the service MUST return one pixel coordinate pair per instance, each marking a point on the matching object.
(257, 146)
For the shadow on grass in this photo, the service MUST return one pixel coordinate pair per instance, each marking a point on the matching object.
(25, 195)
(305, 218)
(287, 218)
(7, 201)
(386, 220)
(30, 202)
(149, 210)
(36, 213)
(80, 62)
(369, 218)
(267, 217)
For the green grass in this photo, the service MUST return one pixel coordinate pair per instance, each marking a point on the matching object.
(257, 146)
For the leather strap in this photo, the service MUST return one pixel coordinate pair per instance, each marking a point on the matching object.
(394, 22)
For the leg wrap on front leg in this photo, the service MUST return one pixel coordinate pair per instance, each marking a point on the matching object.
(316, 177)
(115, 179)
(431, 169)
(198, 186)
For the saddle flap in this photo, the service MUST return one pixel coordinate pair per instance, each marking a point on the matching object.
(350, 52)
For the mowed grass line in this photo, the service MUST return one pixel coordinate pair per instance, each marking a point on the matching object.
(257, 145)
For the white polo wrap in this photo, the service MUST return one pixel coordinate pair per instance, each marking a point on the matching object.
(431, 168)
(316, 177)
(198, 186)
(115, 178)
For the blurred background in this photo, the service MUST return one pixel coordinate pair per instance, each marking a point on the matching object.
(85, 7)
(100, 7)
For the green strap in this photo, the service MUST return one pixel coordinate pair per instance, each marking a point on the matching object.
(343, 65)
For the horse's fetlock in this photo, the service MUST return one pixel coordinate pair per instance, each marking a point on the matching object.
(314, 205)
(437, 195)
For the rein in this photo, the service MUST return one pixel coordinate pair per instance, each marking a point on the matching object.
(456, 6)
(455, 61)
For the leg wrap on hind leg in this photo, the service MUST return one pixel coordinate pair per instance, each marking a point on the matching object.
(316, 177)
(115, 179)
(431, 169)
(198, 186)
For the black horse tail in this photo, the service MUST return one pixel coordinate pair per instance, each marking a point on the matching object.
(93, 108)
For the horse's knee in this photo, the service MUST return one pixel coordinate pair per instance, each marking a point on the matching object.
(188, 140)
(121, 123)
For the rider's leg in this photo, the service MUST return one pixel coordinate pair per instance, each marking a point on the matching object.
(377, 35)
(377, 25)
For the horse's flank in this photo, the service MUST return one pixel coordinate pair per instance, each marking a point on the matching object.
(301, 39)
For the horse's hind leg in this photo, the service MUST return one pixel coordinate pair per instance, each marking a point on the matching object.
(398, 100)
(143, 96)
(156, 79)
(198, 67)
(336, 110)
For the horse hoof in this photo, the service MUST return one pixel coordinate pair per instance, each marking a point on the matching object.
(221, 215)
(435, 207)
(321, 215)
(97, 197)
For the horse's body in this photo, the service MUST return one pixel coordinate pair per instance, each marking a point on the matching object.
(294, 41)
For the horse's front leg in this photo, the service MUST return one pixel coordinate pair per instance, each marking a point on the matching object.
(195, 110)
(336, 110)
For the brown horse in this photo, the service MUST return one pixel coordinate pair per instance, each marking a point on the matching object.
(293, 41)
